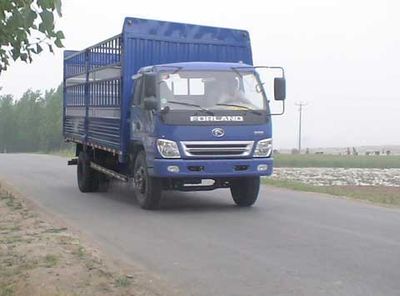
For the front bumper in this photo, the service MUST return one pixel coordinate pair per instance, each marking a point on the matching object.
(215, 168)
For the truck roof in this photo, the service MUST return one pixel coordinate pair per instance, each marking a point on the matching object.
(191, 66)
(207, 65)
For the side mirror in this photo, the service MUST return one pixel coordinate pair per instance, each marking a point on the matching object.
(280, 89)
(150, 103)
(150, 83)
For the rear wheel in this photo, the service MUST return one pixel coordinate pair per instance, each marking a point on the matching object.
(88, 180)
(148, 190)
(245, 191)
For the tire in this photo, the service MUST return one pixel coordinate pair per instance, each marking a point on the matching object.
(245, 191)
(88, 180)
(148, 190)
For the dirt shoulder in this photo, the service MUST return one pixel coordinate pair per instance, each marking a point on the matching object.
(39, 256)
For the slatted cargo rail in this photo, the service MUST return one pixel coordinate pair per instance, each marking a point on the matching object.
(92, 95)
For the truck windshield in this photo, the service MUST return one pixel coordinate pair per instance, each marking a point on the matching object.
(211, 90)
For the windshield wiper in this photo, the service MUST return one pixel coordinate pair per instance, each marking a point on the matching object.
(192, 105)
(241, 106)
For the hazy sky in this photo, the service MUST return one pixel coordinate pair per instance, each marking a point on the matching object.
(342, 57)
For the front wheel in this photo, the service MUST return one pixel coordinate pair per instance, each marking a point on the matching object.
(148, 190)
(245, 191)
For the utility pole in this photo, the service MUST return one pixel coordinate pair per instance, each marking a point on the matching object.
(301, 105)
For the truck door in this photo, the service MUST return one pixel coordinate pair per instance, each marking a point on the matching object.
(142, 120)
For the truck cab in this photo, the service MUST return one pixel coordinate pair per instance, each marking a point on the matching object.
(203, 126)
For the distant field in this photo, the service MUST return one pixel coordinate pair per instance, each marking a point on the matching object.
(336, 161)
(376, 194)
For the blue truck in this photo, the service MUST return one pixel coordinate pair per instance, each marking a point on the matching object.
(169, 106)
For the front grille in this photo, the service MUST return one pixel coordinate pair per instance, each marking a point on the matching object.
(215, 149)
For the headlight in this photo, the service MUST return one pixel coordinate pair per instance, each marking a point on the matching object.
(263, 148)
(168, 149)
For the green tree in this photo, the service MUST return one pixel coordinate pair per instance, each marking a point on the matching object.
(28, 114)
(32, 123)
(25, 26)
(51, 121)
(7, 123)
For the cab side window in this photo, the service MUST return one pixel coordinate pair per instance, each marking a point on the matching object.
(137, 93)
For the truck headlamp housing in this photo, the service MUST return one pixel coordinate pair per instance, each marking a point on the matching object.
(168, 149)
(263, 148)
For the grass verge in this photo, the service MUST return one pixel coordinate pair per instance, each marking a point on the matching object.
(38, 257)
(337, 161)
(376, 194)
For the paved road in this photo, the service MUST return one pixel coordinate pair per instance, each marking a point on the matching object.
(290, 243)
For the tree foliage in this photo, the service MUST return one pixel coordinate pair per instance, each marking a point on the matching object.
(25, 27)
(32, 123)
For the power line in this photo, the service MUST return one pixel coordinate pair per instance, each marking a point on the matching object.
(301, 105)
